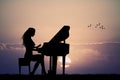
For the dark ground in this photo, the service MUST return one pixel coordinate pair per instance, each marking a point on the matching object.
(62, 77)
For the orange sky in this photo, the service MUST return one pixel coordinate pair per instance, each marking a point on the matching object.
(49, 16)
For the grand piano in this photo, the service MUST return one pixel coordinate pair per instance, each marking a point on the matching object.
(56, 47)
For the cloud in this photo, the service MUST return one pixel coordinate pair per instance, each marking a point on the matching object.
(95, 58)
(2, 46)
(92, 58)
(9, 54)
(11, 46)
(86, 56)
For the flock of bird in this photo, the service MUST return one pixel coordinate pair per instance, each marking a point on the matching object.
(98, 25)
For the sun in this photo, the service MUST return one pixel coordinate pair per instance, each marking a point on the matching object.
(67, 62)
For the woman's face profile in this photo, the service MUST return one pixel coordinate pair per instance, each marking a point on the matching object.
(31, 31)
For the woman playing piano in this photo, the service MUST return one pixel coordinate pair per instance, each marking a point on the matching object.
(30, 47)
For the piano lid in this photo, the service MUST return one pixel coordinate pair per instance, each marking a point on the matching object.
(61, 35)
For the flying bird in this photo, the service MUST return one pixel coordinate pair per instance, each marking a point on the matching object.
(97, 25)
(89, 25)
(102, 27)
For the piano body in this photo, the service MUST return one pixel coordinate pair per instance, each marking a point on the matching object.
(56, 47)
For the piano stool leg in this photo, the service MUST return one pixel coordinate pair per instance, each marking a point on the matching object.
(29, 68)
(19, 70)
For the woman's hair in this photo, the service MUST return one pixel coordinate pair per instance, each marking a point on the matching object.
(28, 33)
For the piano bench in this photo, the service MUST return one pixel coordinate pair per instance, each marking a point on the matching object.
(23, 62)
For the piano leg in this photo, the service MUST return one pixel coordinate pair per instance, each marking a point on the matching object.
(63, 65)
(50, 65)
(54, 65)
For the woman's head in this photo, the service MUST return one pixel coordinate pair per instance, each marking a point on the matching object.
(29, 32)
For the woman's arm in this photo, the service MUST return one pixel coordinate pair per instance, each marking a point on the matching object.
(36, 47)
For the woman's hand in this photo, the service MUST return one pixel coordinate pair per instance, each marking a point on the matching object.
(38, 46)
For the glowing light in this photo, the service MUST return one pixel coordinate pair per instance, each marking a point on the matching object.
(67, 61)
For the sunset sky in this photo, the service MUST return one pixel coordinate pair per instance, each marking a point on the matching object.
(48, 17)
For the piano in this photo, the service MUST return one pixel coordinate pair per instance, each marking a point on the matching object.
(56, 47)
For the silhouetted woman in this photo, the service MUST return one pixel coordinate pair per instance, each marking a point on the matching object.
(30, 47)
